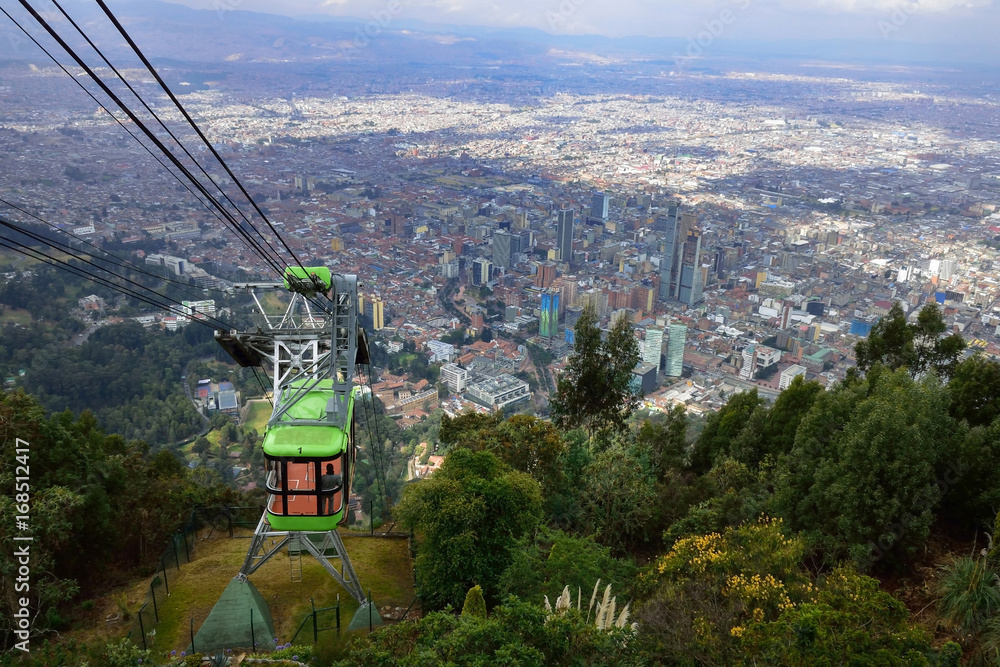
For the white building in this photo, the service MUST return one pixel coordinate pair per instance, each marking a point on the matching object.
(766, 356)
(499, 392)
(441, 351)
(196, 310)
(788, 376)
(456, 377)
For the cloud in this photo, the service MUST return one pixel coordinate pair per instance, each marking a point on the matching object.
(878, 6)
(929, 20)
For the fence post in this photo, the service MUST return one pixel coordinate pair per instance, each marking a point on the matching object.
(166, 585)
(152, 593)
(338, 614)
(315, 629)
(192, 635)
(253, 637)
(177, 560)
(142, 630)
(369, 611)
(371, 515)
(187, 552)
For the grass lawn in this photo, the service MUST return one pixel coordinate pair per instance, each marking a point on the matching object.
(383, 565)
(258, 413)
(15, 315)
(212, 437)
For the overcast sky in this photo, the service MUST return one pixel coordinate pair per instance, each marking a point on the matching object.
(966, 22)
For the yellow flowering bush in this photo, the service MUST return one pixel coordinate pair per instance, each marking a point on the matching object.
(710, 588)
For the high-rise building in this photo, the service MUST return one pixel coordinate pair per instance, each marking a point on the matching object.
(690, 283)
(786, 316)
(675, 350)
(599, 207)
(502, 249)
(482, 271)
(681, 249)
(568, 292)
(377, 309)
(564, 234)
(947, 269)
(520, 220)
(666, 228)
(749, 354)
(397, 223)
(546, 275)
(654, 346)
(455, 377)
(548, 324)
(372, 311)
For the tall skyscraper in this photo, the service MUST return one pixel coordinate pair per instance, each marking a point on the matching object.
(675, 350)
(502, 249)
(376, 309)
(482, 271)
(599, 207)
(654, 346)
(667, 228)
(681, 277)
(568, 292)
(564, 234)
(690, 284)
(546, 275)
(548, 325)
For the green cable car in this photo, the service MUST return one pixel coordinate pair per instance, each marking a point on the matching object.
(309, 462)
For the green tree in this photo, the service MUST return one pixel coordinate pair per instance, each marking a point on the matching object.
(722, 428)
(468, 517)
(969, 480)
(889, 343)
(474, 605)
(547, 561)
(594, 391)
(619, 498)
(101, 506)
(523, 442)
(516, 633)
(975, 391)
(201, 445)
(665, 438)
(861, 479)
(895, 343)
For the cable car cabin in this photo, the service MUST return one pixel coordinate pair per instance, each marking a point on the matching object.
(308, 462)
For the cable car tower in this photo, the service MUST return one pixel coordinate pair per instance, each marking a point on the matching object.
(310, 352)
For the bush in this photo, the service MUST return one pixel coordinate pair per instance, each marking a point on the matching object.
(474, 605)
(969, 593)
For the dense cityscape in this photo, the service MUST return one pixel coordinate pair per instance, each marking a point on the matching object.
(751, 232)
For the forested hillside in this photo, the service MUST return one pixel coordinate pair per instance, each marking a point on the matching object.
(128, 376)
(101, 510)
(842, 526)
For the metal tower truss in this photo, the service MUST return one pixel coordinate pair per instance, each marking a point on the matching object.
(303, 346)
(266, 543)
